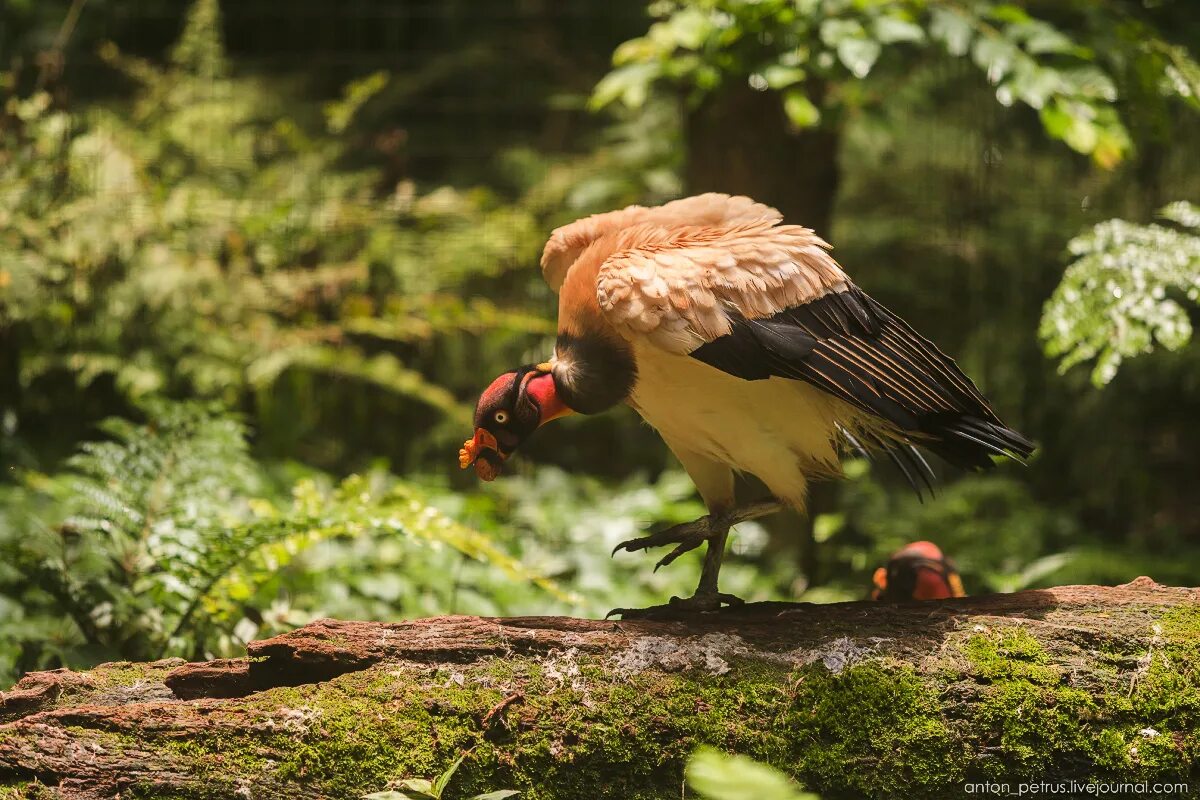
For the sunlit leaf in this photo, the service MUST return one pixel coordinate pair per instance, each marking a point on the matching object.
(800, 110)
(780, 77)
(858, 55)
(890, 29)
(630, 84)
(952, 29)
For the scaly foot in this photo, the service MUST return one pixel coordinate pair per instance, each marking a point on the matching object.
(690, 535)
(686, 536)
(680, 608)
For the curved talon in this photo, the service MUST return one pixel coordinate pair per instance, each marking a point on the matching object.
(623, 546)
(686, 536)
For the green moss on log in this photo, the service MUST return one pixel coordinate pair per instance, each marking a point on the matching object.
(1004, 701)
(878, 713)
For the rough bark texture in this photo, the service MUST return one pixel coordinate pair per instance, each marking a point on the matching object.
(854, 699)
(740, 141)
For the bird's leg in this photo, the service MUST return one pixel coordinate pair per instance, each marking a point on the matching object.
(690, 535)
(713, 529)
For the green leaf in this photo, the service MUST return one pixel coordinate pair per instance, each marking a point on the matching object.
(419, 785)
(994, 55)
(1055, 120)
(1115, 299)
(630, 84)
(836, 30)
(1034, 85)
(392, 794)
(858, 55)
(340, 113)
(952, 29)
(687, 28)
(890, 30)
(1041, 37)
(1181, 75)
(1009, 13)
(1081, 134)
(439, 784)
(499, 794)
(780, 77)
(718, 776)
(1090, 82)
(799, 109)
(826, 526)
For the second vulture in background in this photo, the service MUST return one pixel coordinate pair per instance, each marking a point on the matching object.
(749, 349)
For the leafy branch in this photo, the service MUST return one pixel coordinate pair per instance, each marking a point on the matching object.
(811, 52)
(1120, 296)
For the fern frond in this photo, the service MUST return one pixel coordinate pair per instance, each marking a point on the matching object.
(166, 538)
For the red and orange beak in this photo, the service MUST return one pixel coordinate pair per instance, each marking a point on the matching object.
(483, 451)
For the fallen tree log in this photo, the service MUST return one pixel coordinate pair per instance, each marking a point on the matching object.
(913, 700)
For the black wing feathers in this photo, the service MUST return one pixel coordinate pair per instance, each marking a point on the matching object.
(852, 347)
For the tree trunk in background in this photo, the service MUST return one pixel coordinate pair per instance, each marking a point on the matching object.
(854, 699)
(740, 141)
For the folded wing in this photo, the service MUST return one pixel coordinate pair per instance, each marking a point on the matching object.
(760, 300)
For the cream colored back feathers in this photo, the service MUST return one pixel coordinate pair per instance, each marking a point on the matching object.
(716, 210)
(678, 293)
(670, 275)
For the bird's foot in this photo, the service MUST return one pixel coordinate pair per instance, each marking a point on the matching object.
(681, 607)
(685, 536)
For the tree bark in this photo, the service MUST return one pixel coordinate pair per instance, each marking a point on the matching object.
(740, 141)
(853, 699)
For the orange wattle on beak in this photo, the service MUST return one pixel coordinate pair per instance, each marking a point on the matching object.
(484, 452)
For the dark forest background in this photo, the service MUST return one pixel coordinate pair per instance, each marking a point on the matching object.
(258, 259)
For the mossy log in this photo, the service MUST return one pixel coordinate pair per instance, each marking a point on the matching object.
(853, 699)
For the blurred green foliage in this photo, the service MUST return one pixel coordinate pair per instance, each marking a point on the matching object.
(814, 53)
(283, 283)
(203, 243)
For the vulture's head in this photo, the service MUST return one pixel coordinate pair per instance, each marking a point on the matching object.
(918, 571)
(514, 406)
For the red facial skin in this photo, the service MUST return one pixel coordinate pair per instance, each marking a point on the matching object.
(930, 585)
(483, 450)
(541, 388)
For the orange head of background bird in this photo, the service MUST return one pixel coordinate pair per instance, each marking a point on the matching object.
(515, 405)
(917, 571)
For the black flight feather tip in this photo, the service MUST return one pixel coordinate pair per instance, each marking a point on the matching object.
(847, 344)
